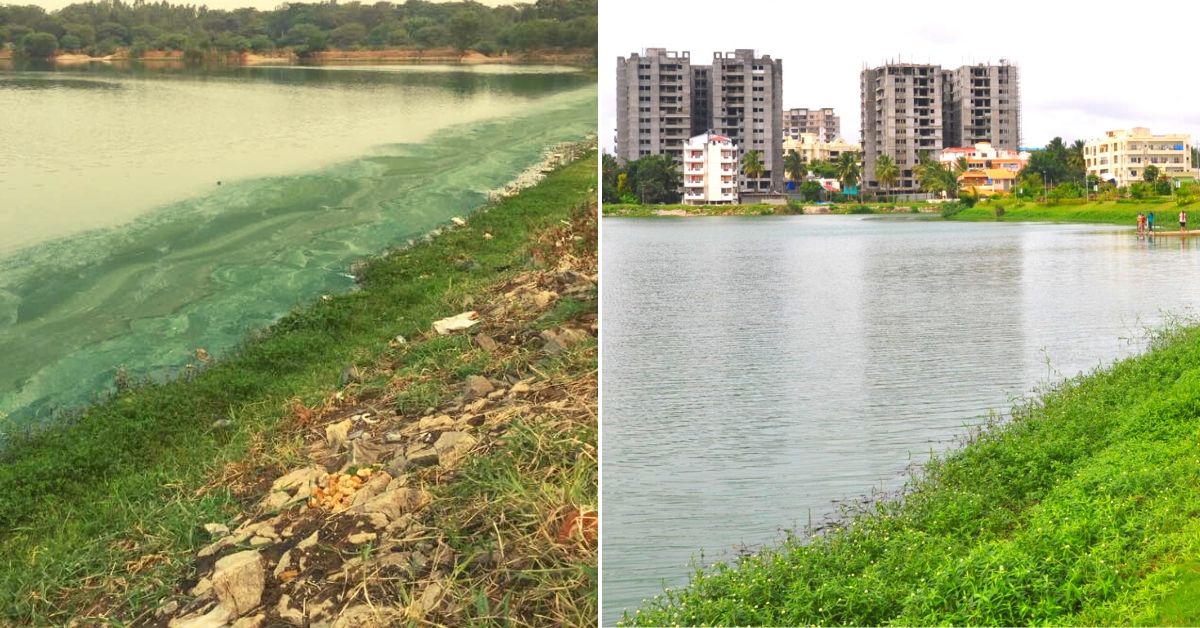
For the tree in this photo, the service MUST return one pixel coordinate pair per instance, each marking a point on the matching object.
(936, 177)
(348, 35)
(1075, 161)
(609, 170)
(1150, 174)
(464, 29)
(848, 171)
(793, 165)
(654, 179)
(71, 43)
(886, 171)
(752, 165)
(37, 46)
(811, 191)
(306, 39)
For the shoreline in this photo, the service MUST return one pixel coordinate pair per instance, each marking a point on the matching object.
(186, 430)
(1024, 509)
(580, 58)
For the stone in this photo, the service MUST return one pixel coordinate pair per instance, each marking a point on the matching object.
(274, 501)
(378, 520)
(543, 298)
(397, 466)
(238, 581)
(259, 541)
(362, 537)
(285, 561)
(421, 455)
(486, 343)
(478, 386)
(216, 529)
(476, 407)
(451, 446)
(287, 613)
(562, 339)
(168, 609)
(519, 388)
(364, 452)
(218, 617)
(439, 422)
(394, 503)
(202, 588)
(429, 598)
(310, 541)
(392, 438)
(374, 486)
(256, 621)
(336, 433)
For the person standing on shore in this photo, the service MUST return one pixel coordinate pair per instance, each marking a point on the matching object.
(1182, 220)
(1150, 222)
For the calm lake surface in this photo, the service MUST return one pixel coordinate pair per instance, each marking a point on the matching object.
(119, 248)
(756, 369)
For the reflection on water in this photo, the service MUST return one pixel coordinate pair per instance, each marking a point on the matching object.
(756, 369)
(182, 210)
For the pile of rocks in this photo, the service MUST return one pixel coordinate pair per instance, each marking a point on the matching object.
(325, 535)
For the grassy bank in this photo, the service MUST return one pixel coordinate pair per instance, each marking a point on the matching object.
(758, 209)
(1083, 510)
(1123, 212)
(101, 516)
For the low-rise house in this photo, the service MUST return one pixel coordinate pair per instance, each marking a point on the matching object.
(987, 181)
(983, 156)
(710, 170)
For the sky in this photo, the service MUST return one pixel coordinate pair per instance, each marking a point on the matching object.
(265, 5)
(1085, 67)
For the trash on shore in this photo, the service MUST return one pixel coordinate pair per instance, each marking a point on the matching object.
(457, 322)
(458, 221)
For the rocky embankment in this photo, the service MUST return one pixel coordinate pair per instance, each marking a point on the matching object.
(353, 533)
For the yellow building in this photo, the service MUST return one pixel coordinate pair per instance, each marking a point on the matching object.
(988, 181)
(1122, 156)
(811, 148)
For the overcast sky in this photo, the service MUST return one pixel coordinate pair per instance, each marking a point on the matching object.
(53, 5)
(1085, 67)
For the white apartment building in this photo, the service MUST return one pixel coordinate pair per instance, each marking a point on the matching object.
(710, 170)
(1121, 156)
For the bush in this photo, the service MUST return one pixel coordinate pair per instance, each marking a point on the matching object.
(951, 208)
(861, 209)
(794, 206)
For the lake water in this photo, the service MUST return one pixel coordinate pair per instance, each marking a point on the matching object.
(119, 248)
(757, 369)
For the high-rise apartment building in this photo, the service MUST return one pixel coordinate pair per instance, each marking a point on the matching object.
(1122, 156)
(908, 108)
(654, 104)
(820, 122)
(901, 116)
(981, 106)
(663, 99)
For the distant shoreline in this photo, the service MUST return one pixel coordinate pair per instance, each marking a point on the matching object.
(578, 57)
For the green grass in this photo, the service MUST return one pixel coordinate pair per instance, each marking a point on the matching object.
(1123, 212)
(82, 505)
(1083, 510)
(756, 209)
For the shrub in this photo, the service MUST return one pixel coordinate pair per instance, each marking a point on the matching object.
(861, 209)
(951, 208)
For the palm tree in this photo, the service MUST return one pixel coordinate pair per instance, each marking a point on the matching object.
(961, 164)
(1075, 159)
(886, 171)
(934, 176)
(752, 165)
(848, 171)
(793, 164)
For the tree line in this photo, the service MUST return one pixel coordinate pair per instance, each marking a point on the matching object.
(99, 28)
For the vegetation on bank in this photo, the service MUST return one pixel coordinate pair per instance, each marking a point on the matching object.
(100, 28)
(791, 208)
(102, 512)
(1081, 510)
(1118, 212)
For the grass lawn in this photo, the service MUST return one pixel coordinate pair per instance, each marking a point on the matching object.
(1166, 212)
